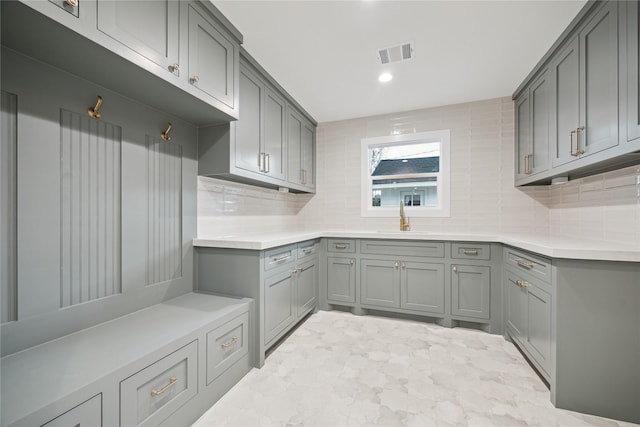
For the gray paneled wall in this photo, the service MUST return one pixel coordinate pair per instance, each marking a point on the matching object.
(164, 184)
(90, 190)
(102, 208)
(8, 129)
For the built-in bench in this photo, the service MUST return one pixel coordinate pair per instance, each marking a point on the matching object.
(165, 364)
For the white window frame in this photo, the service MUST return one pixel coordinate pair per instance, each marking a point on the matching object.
(442, 210)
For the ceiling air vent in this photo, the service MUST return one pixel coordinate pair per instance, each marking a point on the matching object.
(398, 53)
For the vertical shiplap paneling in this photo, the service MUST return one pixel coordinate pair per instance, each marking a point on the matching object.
(164, 192)
(90, 190)
(8, 193)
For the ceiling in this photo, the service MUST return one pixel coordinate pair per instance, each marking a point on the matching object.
(324, 53)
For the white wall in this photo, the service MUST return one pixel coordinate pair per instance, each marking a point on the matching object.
(483, 198)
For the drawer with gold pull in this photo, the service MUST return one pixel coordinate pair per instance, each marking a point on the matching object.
(226, 345)
(527, 263)
(152, 394)
(341, 245)
(471, 251)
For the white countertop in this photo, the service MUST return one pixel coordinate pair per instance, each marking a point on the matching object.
(554, 247)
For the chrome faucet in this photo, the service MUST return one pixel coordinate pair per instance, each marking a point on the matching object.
(405, 225)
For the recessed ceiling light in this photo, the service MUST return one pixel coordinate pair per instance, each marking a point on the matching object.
(384, 77)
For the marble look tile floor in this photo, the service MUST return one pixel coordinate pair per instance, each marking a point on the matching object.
(338, 369)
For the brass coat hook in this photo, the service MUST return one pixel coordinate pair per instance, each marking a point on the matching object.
(93, 111)
(165, 134)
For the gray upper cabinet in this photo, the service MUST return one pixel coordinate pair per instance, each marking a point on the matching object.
(212, 58)
(149, 28)
(180, 57)
(271, 145)
(301, 141)
(629, 72)
(582, 99)
(533, 132)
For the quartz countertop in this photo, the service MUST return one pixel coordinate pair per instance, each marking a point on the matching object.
(554, 247)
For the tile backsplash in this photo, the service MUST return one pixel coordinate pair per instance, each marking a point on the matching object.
(483, 198)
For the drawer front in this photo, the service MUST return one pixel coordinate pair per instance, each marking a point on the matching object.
(402, 248)
(523, 262)
(280, 256)
(226, 345)
(151, 395)
(341, 245)
(471, 251)
(86, 414)
(307, 249)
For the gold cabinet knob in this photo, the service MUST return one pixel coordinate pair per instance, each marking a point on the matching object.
(174, 67)
(194, 79)
(72, 3)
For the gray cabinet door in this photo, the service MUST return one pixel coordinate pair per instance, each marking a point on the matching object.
(523, 133)
(341, 280)
(274, 136)
(380, 283)
(470, 291)
(279, 304)
(301, 138)
(540, 141)
(599, 81)
(516, 307)
(307, 287)
(249, 127)
(422, 287)
(565, 110)
(630, 85)
(538, 333)
(211, 59)
(150, 28)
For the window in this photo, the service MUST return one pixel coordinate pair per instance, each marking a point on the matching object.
(410, 169)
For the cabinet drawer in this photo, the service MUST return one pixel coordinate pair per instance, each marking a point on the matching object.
(471, 251)
(154, 393)
(86, 414)
(226, 345)
(307, 249)
(277, 257)
(534, 265)
(341, 245)
(402, 248)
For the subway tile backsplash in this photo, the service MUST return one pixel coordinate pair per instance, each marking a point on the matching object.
(483, 198)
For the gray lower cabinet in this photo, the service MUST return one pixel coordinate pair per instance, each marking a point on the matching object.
(471, 291)
(283, 281)
(341, 279)
(279, 304)
(409, 285)
(87, 414)
(528, 319)
(165, 365)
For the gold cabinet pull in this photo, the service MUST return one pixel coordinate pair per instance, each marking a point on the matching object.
(267, 162)
(522, 283)
(72, 3)
(229, 343)
(280, 258)
(93, 111)
(174, 68)
(571, 143)
(172, 382)
(524, 263)
(455, 268)
(165, 135)
(470, 251)
(194, 79)
(340, 246)
(527, 164)
(307, 249)
(578, 150)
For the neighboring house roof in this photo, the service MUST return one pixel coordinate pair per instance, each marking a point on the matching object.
(400, 167)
